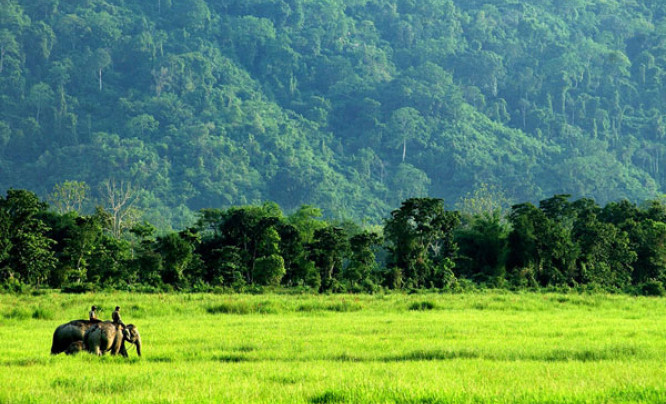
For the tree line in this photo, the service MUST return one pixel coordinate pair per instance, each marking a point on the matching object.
(560, 243)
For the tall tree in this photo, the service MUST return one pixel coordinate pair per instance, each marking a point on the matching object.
(407, 124)
(328, 250)
(69, 196)
(120, 199)
(420, 236)
(30, 257)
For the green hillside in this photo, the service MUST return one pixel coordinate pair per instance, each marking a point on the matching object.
(349, 105)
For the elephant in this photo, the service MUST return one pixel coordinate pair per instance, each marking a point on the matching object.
(75, 347)
(70, 333)
(109, 337)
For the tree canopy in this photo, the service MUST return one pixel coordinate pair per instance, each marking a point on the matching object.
(349, 105)
(562, 243)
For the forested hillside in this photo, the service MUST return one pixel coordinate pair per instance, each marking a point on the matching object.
(349, 105)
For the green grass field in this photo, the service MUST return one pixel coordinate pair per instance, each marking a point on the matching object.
(471, 348)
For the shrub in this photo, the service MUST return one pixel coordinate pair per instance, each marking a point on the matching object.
(651, 287)
(422, 306)
(42, 313)
(243, 308)
(343, 306)
(83, 287)
(13, 285)
(17, 313)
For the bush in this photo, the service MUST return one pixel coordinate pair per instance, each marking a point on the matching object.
(83, 287)
(651, 287)
(13, 285)
(17, 313)
(343, 306)
(422, 306)
(242, 307)
(41, 313)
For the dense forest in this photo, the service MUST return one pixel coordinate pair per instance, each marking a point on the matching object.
(560, 243)
(349, 105)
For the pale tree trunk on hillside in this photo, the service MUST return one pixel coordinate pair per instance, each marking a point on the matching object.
(120, 199)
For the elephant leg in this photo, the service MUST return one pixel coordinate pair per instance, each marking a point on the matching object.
(98, 342)
(117, 343)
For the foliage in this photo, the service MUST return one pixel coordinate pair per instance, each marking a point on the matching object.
(420, 236)
(351, 106)
(561, 244)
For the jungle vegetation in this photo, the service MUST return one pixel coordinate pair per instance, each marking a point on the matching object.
(561, 243)
(353, 106)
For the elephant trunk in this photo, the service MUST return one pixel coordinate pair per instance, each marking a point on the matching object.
(138, 346)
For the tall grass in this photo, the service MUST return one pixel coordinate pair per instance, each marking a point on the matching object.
(492, 347)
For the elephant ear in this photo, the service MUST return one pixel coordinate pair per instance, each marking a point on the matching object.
(129, 333)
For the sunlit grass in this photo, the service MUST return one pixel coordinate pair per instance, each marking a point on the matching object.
(493, 347)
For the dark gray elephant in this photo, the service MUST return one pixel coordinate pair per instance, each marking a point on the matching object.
(70, 333)
(108, 337)
(75, 347)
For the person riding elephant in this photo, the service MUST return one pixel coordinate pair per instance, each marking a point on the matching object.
(108, 337)
(115, 316)
(92, 315)
(68, 333)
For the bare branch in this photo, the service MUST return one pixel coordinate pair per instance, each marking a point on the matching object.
(120, 199)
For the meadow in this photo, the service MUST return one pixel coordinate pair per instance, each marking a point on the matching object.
(490, 347)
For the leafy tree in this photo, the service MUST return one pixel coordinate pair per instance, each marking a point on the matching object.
(646, 233)
(40, 96)
(482, 248)
(606, 256)
(69, 196)
(27, 252)
(524, 243)
(269, 270)
(328, 250)
(100, 60)
(5, 244)
(292, 250)
(362, 265)
(307, 220)
(177, 251)
(420, 236)
(77, 238)
(649, 240)
(407, 124)
(108, 264)
(248, 233)
(541, 241)
(142, 125)
(8, 47)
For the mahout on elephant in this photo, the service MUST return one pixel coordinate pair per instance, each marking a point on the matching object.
(107, 336)
(94, 336)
